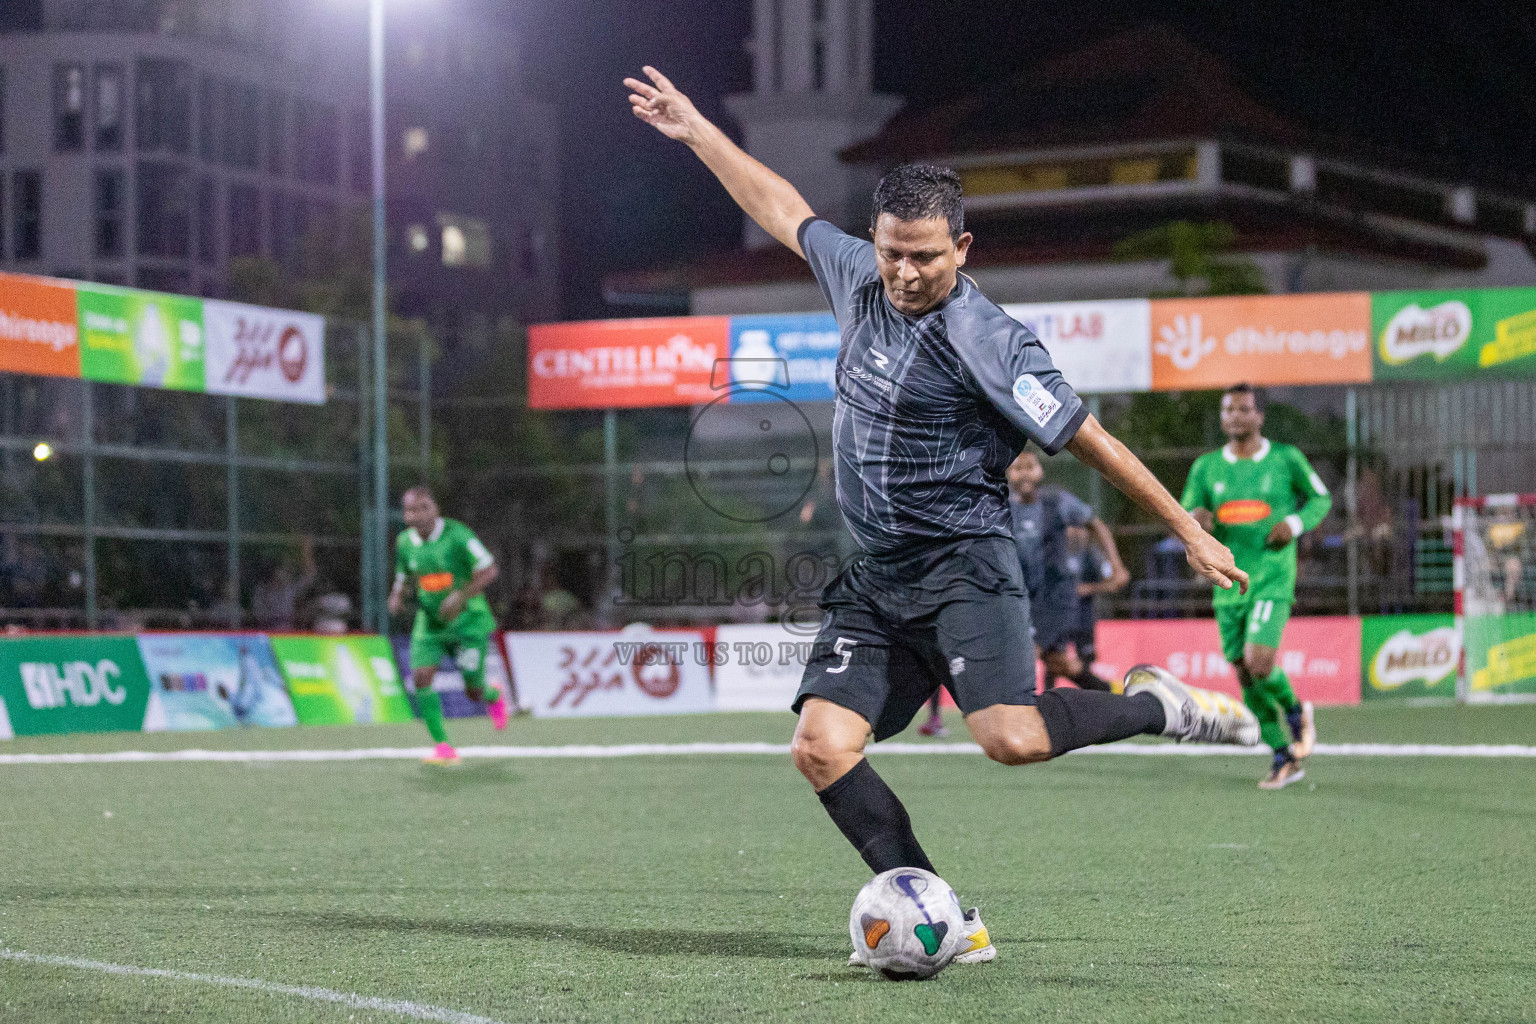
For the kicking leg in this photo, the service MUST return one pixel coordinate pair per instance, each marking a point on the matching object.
(1063, 720)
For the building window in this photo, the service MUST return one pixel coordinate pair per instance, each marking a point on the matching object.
(208, 118)
(315, 129)
(109, 214)
(164, 122)
(27, 202)
(466, 241)
(68, 107)
(207, 224)
(241, 109)
(164, 210)
(109, 108)
(413, 142)
(416, 238)
(276, 128)
(280, 227)
(244, 221)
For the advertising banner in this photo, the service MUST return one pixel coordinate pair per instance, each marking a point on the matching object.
(1501, 653)
(626, 363)
(144, 338)
(760, 667)
(794, 354)
(1098, 346)
(38, 327)
(1437, 335)
(213, 681)
(72, 683)
(1261, 339)
(634, 672)
(264, 353)
(1404, 656)
(1321, 655)
(339, 680)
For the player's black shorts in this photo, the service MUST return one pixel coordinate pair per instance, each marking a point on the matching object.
(1055, 615)
(896, 629)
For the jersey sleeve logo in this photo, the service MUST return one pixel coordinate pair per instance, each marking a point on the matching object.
(436, 582)
(1037, 402)
(1239, 513)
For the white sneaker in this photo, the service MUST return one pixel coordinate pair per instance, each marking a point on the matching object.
(1201, 716)
(978, 948)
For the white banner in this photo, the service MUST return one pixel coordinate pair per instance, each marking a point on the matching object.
(1098, 346)
(263, 353)
(634, 672)
(761, 667)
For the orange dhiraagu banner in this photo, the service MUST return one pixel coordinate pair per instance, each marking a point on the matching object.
(609, 364)
(1261, 339)
(38, 328)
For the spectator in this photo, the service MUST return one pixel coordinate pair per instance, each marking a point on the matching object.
(276, 599)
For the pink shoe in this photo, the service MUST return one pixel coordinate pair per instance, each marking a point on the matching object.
(443, 753)
(497, 710)
(933, 727)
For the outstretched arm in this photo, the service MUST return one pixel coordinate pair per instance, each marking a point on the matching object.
(1100, 450)
(767, 198)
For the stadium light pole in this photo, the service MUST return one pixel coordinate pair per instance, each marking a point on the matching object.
(380, 347)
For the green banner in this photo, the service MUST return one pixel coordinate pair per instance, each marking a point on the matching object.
(1408, 656)
(143, 338)
(338, 680)
(1501, 653)
(1448, 334)
(71, 684)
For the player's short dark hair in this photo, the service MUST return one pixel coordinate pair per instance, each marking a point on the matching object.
(918, 192)
(1247, 389)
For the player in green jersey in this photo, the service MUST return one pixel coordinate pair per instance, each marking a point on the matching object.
(451, 568)
(1257, 498)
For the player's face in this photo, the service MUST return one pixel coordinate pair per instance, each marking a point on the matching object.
(420, 512)
(1240, 416)
(1025, 474)
(917, 261)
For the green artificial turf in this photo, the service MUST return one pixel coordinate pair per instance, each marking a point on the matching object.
(710, 888)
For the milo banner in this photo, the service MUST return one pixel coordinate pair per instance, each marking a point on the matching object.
(1441, 334)
(1408, 656)
(76, 683)
(339, 680)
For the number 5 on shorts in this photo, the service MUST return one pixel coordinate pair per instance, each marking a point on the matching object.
(843, 648)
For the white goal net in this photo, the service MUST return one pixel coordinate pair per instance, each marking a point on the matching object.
(1495, 545)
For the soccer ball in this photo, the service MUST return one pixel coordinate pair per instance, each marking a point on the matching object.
(907, 924)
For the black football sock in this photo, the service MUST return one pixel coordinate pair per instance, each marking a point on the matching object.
(1293, 719)
(871, 818)
(1081, 718)
(1086, 680)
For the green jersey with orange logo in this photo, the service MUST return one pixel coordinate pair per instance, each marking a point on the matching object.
(443, 561)
(1247, 497)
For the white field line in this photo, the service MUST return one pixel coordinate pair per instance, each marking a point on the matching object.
(777, 749)
(405, 1008)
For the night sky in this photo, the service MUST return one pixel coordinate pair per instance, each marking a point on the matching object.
(1451, 81)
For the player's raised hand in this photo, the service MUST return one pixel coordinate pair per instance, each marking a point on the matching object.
(660, 105)
(1212, 561)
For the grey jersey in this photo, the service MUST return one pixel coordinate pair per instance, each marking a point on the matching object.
(1040, 530)
(930, 410)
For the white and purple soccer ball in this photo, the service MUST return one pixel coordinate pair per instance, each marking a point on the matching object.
(907, 924)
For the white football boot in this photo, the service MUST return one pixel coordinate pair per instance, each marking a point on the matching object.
(1200, 716)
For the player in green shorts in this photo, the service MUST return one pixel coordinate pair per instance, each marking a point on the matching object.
(1257, 498)
(451, 568)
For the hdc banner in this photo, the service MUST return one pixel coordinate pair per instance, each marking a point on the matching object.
(634, 672)
(79, 683)
(1321, 655)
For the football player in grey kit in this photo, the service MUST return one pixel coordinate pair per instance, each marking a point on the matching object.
(937, 391)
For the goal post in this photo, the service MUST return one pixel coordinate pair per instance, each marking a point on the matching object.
(1494, 545)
